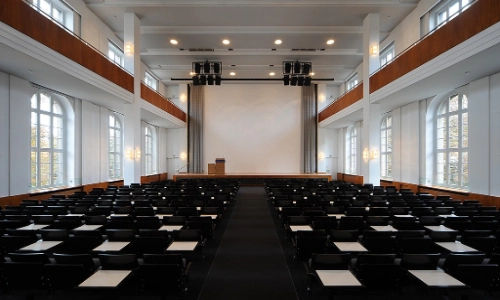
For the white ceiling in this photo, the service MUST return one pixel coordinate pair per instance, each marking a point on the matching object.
(252, 26)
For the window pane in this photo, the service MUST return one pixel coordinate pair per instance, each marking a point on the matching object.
(45, 134)
(441, 133)
(45, 6)
(389, 121)
(442, 108)
(453, 103)
(34, 172)
(111, 121)
(465, 169)
(56, 108)
(442, 16)
(453, 131)
(441, 168)
(58, 169)
(465, 102)
(454, 168)
(34, 101)
(389, 140)
(465, 130)
(34, 129)
(44, 102)
(454, 8)
(389, 165)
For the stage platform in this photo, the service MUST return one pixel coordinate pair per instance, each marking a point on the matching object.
(253, 178)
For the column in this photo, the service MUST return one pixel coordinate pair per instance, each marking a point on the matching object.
(132, 111)
(370, 137)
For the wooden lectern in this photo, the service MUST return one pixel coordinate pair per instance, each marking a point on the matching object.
(220, 166)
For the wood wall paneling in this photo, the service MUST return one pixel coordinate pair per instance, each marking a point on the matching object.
(345, 101)
(161, 102)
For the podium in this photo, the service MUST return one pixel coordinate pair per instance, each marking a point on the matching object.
(211, 168)
(220, 166)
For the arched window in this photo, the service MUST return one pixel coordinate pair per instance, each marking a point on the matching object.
(47, 141)
(115, 138)
(149, 149)
(452, 142)
(352, 144)
(386, 147)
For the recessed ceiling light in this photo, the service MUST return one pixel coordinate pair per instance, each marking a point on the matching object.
(312, 73)
(173, 42)
(232, 73)
(277, 42)
(191, 73)
(226, 42)
(272, 74)
(330, 42)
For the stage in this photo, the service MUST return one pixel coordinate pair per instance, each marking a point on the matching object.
(253, 178)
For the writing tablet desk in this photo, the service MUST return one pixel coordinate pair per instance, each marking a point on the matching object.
(295, 228)
(456, 247)
(337, 278)
(33, 227)
(386, 228)
(436, 278)
(182, 246)
(41, 246)
(170, 227)
(105, 279)
(111, 246)
(350, 247)
(440, 228)
(87, 228)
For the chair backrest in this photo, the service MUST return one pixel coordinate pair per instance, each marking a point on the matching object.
(84, 259)
(161, 277)
(23, 275)
(37, 257)
(453, 260)
(427, 261)
(54, 234)
(122, 235)
(64, 276)
(330, 261)
(118, 261)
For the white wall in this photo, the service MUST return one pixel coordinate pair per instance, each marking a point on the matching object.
(494, 129)
(256, 128)
(176, 145)
(91, 143)
(4, 134)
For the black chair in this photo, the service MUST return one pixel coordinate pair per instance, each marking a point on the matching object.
(54, 234)
(83, 259)
(381, 278)
(338, 235)
(428, 261)
(325, 262)
(477, 276)
(163, 279)
(35, 257)
(453, 260)
(150, 245)
(305, 246)
(443, 236)
(120, 235)
(417, 245)
(384, 244)
(147, 222)
(27, 277)
(64, 276)
(373, 258)
(118, 261)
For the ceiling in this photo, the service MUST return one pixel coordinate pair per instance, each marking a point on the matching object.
(251, 26)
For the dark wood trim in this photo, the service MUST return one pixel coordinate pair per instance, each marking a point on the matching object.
(20, 16)
(355, 179)
(252, 176)
(161, 102)
(154, 177)
(348, 99)
(478, 17)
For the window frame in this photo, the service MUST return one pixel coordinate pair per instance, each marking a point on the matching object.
(448, 152)
(64, 10)
(386, 147)
(118, 149)
(445, 6)
(150, 81)
(149, 149)
(37, 150)
(352, 150)
(352, 82)
(117, 53)
(385, 52)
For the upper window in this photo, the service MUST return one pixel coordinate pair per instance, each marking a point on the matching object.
(352, 82)
(387, 55)
(115, 54)
(352, 145)
(452, 142)
(57, 10)
(47, 142)
(149, 149)
(447, 10)
(115, 147)
(386, 147)
(150, 81)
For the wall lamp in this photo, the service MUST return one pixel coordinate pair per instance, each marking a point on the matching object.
(129, 49)
(370, 154)
(374, 50)
(131, 154)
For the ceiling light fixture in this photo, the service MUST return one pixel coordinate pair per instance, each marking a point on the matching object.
(330, 42)
(173, 42)
(226, 42)
(232, 73)
(272, 73)
(277, 42)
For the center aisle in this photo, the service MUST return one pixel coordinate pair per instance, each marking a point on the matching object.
(249, 263)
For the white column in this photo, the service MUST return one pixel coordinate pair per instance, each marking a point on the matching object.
(370, 138)
(132, 111)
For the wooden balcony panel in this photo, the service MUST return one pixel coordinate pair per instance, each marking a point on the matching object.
(470, 22)
(159, 101)
(345, 101)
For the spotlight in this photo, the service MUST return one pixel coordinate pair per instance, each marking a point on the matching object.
(294, 81)
(210, 80)
(206, 67)
(217, 80)
(300, 81)
(216, 68)
(307, 81)
(288, 68)
(196, 80)
(306, 69)
(286, 80)
(296, 68)
(197, 68)
(203, 80)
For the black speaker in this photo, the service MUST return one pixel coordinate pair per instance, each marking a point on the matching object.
(286, 80)
(206, 68)
(296, 68)
(203, 80)
(288, 68)
(306, 69)
(216, 68)
(294, 81)
(197, 68)
(217, 80)
(210, 80)
(308, 81)
(300, 81)
(196, 80)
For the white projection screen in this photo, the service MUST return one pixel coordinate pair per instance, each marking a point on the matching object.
(256, 128)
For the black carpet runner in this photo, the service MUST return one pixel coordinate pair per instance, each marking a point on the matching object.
(249, 263)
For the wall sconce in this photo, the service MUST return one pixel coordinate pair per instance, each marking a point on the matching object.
(370, 154)
(137, 154)
(183, 97)
(374, 50)
(321, 155)
(321, 97)
(183, 156)
(129, 49)
(129, 154)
